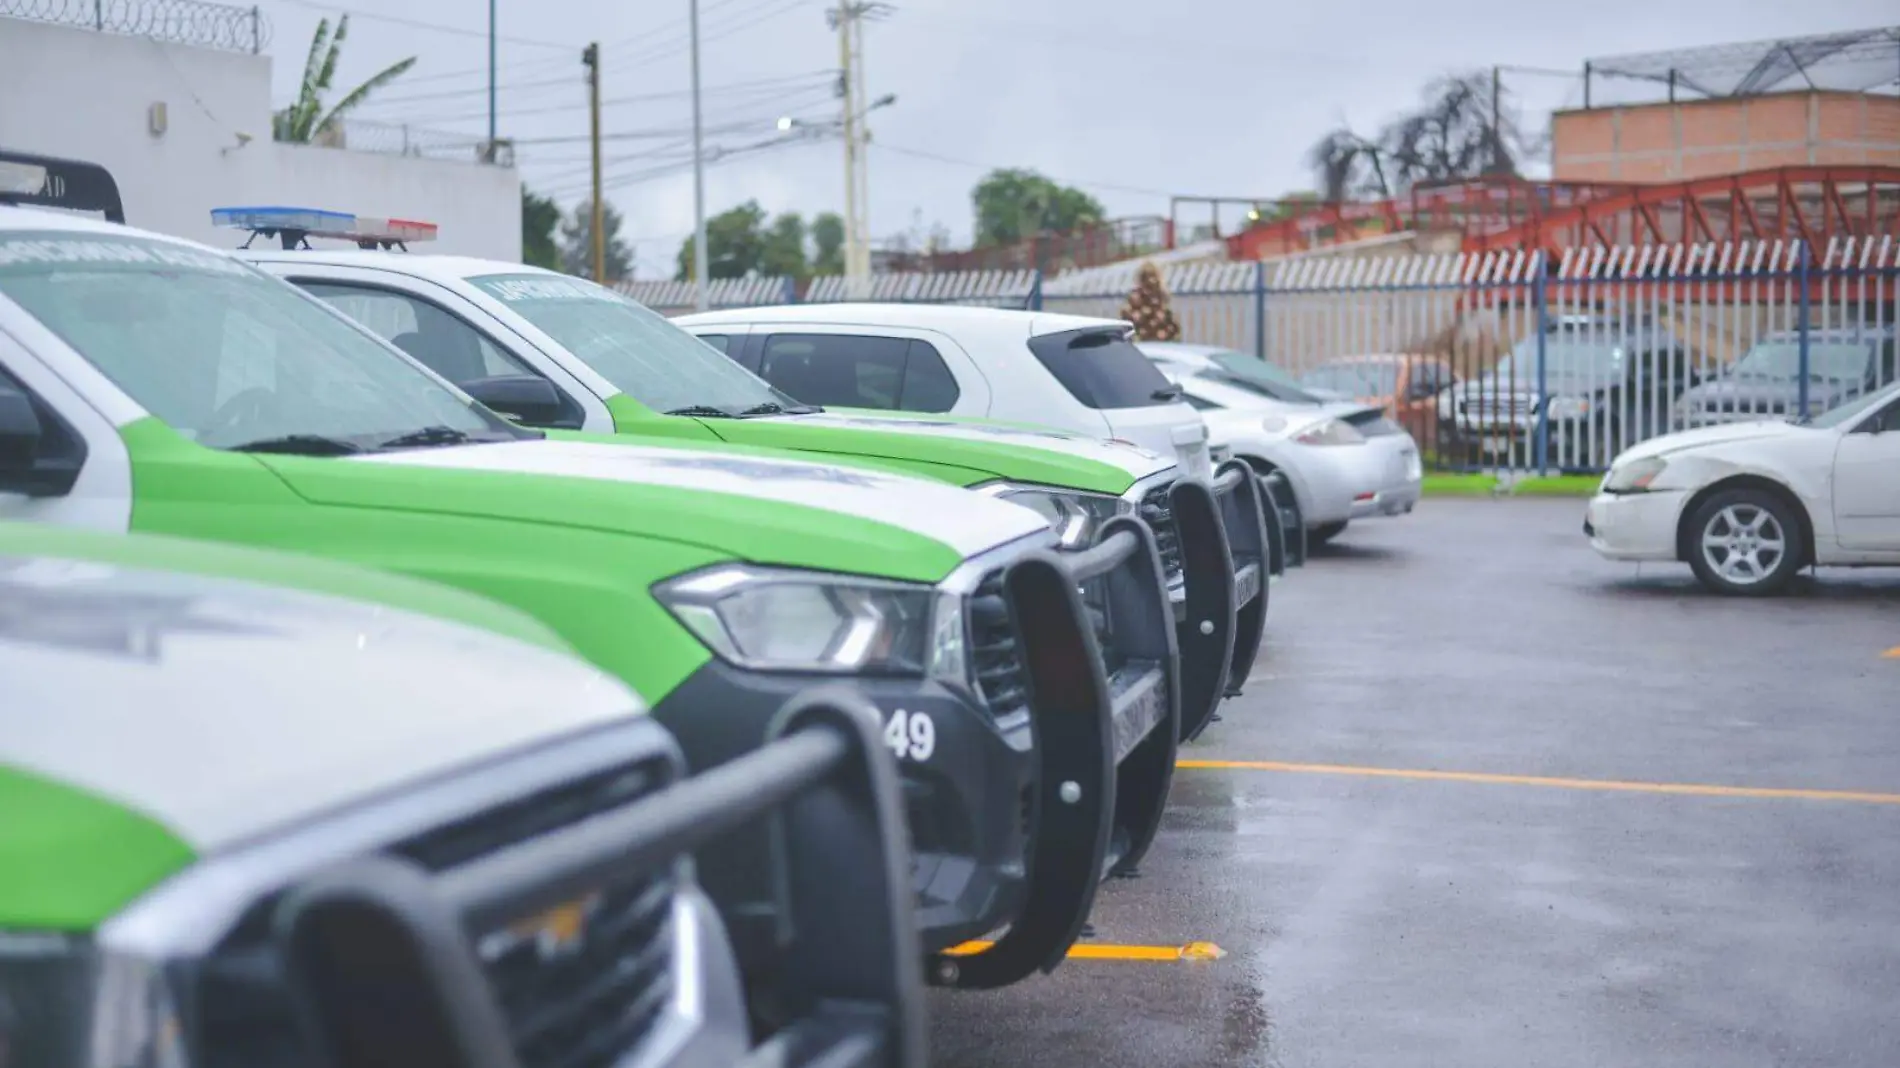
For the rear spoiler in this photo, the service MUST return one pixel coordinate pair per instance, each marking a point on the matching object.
(853, 962)
(51, 182)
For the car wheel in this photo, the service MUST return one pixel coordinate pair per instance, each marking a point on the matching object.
(1745, 543)
(1324, 533)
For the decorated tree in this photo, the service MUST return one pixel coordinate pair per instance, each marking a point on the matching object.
(1147, 307)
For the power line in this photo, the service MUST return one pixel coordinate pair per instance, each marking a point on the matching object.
(418, 24)
(450, 94)
(470, 72)
(661, 51)
(785, 90)
(934, 157)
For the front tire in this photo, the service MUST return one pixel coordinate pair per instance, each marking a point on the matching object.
(1745, 542)
(1324, 533)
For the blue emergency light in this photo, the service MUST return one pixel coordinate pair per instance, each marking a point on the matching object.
(295, 226)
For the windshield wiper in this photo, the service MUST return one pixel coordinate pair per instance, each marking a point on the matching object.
(426, 437)
(1167, 394)
(701, 411)
(299, 445)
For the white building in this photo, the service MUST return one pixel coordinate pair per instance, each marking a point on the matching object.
(186, 128)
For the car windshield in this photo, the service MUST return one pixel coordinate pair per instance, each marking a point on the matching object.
(1844, 361)
(635, 348)
(1258, 376)
(226, 355)
(1571, 354)
(1356, 378)
(1842, 414)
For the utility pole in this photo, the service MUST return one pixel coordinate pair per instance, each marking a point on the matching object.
(701, 298)
(591, 57)
(491, 81)
(848, 19)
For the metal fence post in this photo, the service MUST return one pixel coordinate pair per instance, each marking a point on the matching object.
(791, 290)
(1801, 401)
(257, 36)
(1540, 298)
(99, 15)
(1260, 310)
(1035, 290)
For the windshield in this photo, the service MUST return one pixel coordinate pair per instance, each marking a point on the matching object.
(1843, 414)
(224, 354)
(1570, 355)
(1258, 376)
(633, 347)
(1846, 361)
(1356, 378)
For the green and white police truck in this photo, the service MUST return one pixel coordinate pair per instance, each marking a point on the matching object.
(558, 352)
(151, 384)
(250, 801)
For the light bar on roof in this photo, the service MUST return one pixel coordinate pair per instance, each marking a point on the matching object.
(21, 178)
(315, 222)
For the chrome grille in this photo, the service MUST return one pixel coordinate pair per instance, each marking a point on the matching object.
(583, 985)
(1157, 510)
(995, 653)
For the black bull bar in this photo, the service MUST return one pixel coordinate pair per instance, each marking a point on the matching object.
(1105, 697)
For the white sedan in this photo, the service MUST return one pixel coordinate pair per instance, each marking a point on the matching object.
(1344, 460)
(1747, 505)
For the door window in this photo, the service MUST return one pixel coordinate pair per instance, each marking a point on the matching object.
(439, 340)
(859, 371)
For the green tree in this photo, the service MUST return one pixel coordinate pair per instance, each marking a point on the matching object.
(306, 120)
(577, 243)
(1012, 204)
(744, 241)
(827, 241)
(539, 218)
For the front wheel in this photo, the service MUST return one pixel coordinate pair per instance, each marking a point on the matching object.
(1324, 533)
(1745, 543)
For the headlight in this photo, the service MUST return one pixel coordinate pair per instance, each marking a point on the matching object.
(63, 1001)
(1634, 476)
(1569, 407)
(782, 620)
(1331, 432)
(1075, 517)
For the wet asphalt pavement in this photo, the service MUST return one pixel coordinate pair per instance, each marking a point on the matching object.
(1391, 920)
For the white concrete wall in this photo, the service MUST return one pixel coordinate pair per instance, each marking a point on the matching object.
(86, 95)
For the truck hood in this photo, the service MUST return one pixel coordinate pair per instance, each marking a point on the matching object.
(1705, 437)
(999, 450)
(221, 710)
(764, 509)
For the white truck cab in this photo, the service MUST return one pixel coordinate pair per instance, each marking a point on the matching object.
(1078, 373)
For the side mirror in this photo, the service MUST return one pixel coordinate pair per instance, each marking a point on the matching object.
(20, 435)
(525, 399)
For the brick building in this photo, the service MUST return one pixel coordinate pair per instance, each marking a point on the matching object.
(1675, 141)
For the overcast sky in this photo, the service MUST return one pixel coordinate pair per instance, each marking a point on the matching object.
(1129, 100)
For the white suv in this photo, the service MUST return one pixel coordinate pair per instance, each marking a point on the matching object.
(1077, 373)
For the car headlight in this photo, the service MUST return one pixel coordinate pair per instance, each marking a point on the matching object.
(64, 1001)
(1074, 517)
(1330, 432)
(773, 619)
(1635, 476)
(1569, 407)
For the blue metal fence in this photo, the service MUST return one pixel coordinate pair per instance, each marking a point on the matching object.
(1499, 359)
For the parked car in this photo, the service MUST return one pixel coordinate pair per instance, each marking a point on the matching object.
(1766, 381)
(1747, 505)
(155, 385)
(1067, 371)
(1406, 385)
(1343, 460)
(561, 352)
(1239, 368)
(1605, 383)
(251, 799)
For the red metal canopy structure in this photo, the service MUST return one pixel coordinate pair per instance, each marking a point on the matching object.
(1812, 203)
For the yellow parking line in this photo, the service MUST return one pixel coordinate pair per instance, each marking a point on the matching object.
(1095, 951)
(1696, 789)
